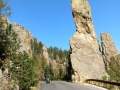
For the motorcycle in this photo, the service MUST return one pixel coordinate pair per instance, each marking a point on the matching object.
(47, 80)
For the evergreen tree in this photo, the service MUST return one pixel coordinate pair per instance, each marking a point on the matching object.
(37, 68)
(60, 53)
(43, 62)
(9, 43)
(36, 46)
(55, 53)
(50, 51)
(61, 57)
(37, 57)
(46, 68)
(68, 67)
(114, 68)
(23, 70)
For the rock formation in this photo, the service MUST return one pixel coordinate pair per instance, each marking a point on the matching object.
(45, 54)
(108, 47)
(86, 58)
(25, 38)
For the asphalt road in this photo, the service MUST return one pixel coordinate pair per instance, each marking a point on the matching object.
(62, 85)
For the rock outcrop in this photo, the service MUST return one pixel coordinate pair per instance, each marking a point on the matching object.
(86, 58)
(25, 38)
(108, 47)
(45, 54)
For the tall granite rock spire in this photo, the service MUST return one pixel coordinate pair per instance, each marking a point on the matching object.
(108, 48)
(86, 58)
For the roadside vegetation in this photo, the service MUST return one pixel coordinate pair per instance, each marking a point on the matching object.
(114, 69)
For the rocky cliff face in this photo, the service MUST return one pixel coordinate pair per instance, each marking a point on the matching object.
(86, 59)
(108, 47)
(25, 38)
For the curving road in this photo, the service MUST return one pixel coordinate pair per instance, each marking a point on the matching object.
(62, 85)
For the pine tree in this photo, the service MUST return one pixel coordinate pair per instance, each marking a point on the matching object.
(23, 70)
(60, 54)
(114, 68)
(9, 44)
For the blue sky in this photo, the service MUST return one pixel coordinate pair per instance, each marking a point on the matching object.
(51, 21)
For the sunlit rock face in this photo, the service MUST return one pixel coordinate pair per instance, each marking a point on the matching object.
(25, 38)
(86, 58)
(108, 47)
(45, 54)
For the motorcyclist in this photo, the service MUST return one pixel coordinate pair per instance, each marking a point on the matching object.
(46, 78)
